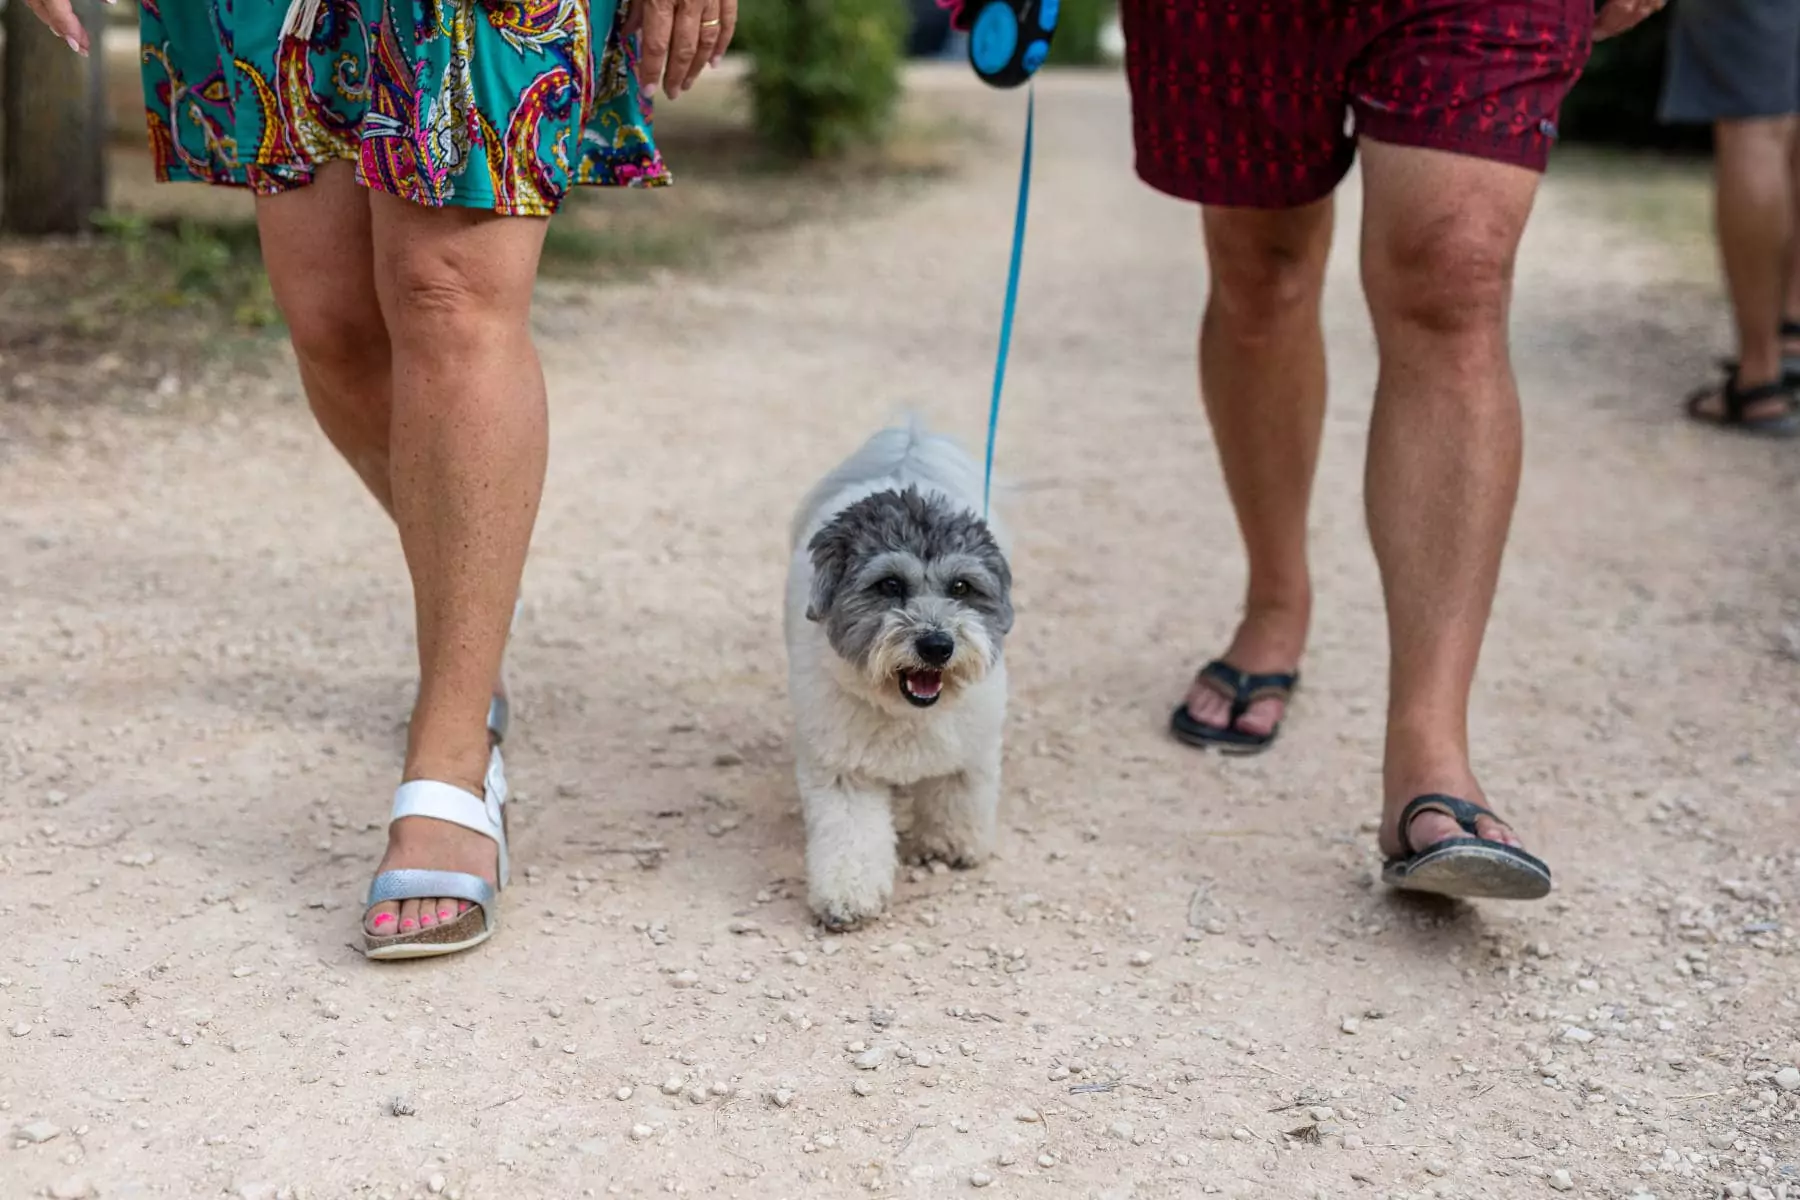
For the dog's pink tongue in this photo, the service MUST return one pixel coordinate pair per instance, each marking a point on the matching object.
(926, 683)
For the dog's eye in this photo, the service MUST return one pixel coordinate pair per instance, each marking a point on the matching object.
(893, 586)
(960, 588)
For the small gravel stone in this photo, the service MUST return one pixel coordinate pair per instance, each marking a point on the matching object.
(869, 1059)
(1353, 1141)
(1435, 1166)
(1350, 1025)
(684, 979)
(672, 1085)
(435, 1185)
(1142, 958)
(1788, 1079)
(1123, 1130)
(640, 1132)
(623, 1093)
(1723, 1141)
(39, 1132)
(1576, 1033)
(401, 1106)
(1058, 1073)
(980, 1179)
(924, 1058)
(781, 1097)
(1561, 1180)
(1046, 1160)
(76, 1188)
(20, 1030)
(556, 1012)
(797, 957)
(862, 1087)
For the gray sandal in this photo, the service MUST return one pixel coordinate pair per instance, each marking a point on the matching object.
(1470, 866)
(484, 814)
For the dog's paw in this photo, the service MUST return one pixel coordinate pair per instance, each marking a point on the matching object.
(844, 907)
(926, 848)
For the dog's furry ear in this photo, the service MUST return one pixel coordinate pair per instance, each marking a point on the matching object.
(996, 562)
(830, 550)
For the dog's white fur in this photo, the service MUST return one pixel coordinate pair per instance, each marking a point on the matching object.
(857, 742)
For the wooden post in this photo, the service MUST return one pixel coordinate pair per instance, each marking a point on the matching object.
(54, 108)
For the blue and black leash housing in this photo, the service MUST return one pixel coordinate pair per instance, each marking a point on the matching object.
(1008, 39)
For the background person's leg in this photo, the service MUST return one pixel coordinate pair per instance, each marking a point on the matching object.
(469, 444)
(1755, 210)
(1439, 236)
(1262, 380)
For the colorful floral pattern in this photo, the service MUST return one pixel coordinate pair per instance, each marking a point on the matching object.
(494, 104)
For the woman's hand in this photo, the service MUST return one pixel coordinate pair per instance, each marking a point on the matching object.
(1619, 15)
(61, 19)
(681, 38)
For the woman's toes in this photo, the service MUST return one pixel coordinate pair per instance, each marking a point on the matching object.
(383, 920)
(427, 913)
(409, 916)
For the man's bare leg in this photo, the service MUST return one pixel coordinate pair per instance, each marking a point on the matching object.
(1262, 379)
(1754, 197)
(1439, 236)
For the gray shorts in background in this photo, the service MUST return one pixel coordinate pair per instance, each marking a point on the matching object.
(1732, 60)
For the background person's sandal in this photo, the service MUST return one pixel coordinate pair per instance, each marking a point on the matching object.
(1469, 866)
(486, 815)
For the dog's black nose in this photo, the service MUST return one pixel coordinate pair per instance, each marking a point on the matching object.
(935, 648)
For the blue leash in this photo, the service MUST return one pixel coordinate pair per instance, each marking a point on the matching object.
(1012, 296)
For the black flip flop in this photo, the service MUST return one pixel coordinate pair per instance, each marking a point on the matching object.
(1243, 691)
(1467, 867)
(1737, 403)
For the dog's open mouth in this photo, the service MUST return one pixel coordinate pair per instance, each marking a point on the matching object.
(921, 688)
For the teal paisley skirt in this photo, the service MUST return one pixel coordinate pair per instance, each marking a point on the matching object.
(494, 104)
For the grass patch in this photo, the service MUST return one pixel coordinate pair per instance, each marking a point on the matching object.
(1667, 196)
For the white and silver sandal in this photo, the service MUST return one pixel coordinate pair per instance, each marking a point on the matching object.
(486, 815)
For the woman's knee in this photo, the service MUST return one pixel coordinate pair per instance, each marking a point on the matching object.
(1267, 268)
(455, 281)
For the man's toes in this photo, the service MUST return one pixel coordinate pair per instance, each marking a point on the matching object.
(1261, 717)
(1497, 831)
(383, 920)
(1209, 708)
(1429, 828)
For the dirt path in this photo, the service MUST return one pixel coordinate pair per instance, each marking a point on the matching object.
(1176, 961)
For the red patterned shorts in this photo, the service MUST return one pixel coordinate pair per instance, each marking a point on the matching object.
(1258, 103)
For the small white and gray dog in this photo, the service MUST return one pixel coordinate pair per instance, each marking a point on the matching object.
(899, 597)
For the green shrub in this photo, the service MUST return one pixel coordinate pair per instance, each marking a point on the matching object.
(1616, 100)
(824, 74)
(1077, 40)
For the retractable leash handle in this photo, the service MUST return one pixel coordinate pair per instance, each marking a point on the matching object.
(1008, 41)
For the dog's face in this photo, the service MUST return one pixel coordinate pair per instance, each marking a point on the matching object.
(913, 593)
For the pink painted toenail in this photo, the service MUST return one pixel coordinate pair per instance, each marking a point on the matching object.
(463, 907)
(445, 914)
(380, 919)
(407, 924)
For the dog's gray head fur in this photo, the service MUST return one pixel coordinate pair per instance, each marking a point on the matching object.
(896, 574)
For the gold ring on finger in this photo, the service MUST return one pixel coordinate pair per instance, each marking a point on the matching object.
(712, 24)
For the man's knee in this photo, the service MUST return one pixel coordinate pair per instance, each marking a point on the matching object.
(1267, 268)
(1448, 275)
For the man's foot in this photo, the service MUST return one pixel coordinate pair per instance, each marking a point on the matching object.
(422, 843)
(1451, 844)
(1265, 644)
(1767, 407)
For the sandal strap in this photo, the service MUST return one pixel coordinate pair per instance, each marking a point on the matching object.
(1243, 689)
(417, 885)
(484, 814)
(1463, 812)
(1737, 399)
